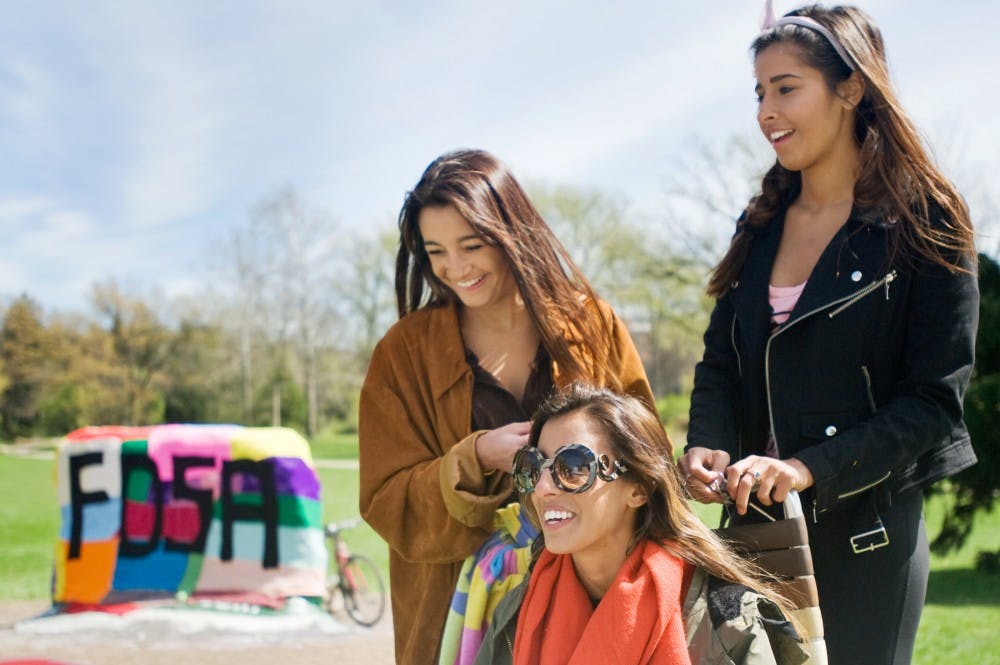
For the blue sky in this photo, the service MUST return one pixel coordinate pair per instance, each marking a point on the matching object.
(134, 134)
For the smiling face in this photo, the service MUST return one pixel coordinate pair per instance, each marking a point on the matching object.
(595, 526)
(477, 272)
(805, 122)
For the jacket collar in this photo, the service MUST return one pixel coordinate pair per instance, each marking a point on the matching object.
(448, 365)
(854, 258)
(838, 272)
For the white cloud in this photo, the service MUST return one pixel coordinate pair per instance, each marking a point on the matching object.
(27, 85)
(12, 274)
(43, 226)
(41, 252)
(27, 98)
(15, 210)
(166, 84)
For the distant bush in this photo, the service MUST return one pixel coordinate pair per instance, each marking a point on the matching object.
(673, 410)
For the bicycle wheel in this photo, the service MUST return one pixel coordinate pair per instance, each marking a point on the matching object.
(364, 590)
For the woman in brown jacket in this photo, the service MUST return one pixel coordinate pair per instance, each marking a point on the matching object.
(493, 315)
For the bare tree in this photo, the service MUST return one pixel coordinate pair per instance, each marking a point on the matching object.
(250, 268)
(367, 291)
(651, 281)
(300, 289)
(708, 187)
(278, 300)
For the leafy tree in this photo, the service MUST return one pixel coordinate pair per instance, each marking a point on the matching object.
(976, 488)
(60, 410)
(193, 391)
(140, 346)
(280, 402)
(23, 350)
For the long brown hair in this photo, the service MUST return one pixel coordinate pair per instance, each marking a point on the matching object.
(927, 219)
(640, 443)
(555, 292)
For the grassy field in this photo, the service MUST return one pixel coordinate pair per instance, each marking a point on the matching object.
(340, 501)
(29, 523)
(335, 445)
(958, 624)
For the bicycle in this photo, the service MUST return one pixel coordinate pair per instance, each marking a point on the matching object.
(357, 579)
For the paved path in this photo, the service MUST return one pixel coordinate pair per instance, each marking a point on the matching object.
(360, 646)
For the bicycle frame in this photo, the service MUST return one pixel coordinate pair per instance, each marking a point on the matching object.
(357, 578)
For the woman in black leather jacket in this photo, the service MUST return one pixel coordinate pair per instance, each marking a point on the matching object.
(843, 336)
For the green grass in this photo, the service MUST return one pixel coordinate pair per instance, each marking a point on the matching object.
(673, 409)
(29, 523)
(335, 445)
(340, 502)
(959, 623)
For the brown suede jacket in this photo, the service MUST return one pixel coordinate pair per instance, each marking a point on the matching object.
(422, 488)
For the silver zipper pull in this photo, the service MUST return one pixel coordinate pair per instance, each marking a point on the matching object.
(888, 280)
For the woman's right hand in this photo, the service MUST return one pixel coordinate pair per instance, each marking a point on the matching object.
(702, 469)
(495, 448)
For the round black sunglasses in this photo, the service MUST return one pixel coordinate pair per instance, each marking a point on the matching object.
(574, 468)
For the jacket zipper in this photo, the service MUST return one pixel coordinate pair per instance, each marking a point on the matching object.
(846, 301)
(871, 403)
(865, 487)
(887, 280)
(739, 370)
(510, 646)
(736, 350)
(868, 387)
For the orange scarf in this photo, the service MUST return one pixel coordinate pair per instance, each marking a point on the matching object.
(637, 622)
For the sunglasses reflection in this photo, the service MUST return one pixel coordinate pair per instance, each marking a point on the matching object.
(574, 468)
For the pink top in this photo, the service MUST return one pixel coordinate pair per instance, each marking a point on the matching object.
(783, 299)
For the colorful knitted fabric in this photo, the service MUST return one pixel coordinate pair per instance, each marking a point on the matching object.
(498, 566)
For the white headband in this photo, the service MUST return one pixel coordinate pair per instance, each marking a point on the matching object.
(769, 23)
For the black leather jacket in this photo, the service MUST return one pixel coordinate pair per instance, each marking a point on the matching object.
(864, 383)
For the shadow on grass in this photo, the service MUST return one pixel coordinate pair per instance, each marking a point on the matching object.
(963, 586)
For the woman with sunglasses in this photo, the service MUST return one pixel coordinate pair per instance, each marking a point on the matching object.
(627, 570)
(493, 315)
(842, 340)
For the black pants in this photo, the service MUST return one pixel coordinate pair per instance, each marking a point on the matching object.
(871, 602)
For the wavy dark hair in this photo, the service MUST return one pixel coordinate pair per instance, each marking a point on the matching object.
(927, 219)
(639, 441)
(555, 292)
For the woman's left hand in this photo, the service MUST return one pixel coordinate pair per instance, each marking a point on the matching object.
(770, 478)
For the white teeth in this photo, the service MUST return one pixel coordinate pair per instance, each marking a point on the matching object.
(557, 515)
(774, 136)
(470, 282)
